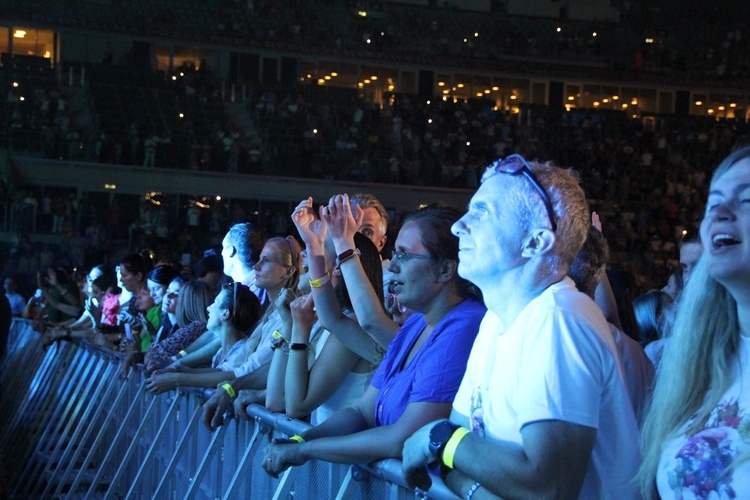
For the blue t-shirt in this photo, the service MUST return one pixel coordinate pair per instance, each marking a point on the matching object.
(436, 371)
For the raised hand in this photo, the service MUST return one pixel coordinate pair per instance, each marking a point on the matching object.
(311, 229)
(303, 313)
(341, 221)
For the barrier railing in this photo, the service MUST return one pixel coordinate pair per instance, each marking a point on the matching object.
(70, 427)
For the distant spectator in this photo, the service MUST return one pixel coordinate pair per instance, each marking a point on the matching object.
(17, 302)
(210, 269)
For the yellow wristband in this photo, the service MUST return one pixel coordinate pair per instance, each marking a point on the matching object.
(321, 281)
(277, 335)
(450, 447)
(182, 353)
(297, 438)
(230, 390)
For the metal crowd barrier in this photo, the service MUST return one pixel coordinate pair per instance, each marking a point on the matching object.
(71, 428)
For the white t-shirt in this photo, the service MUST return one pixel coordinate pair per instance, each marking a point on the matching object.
(557, 361)
(257, 350)
(350, 389)
(692, 466)
(637, 368)
(232, 360)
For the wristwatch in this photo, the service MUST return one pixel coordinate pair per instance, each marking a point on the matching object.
(439, 436)
(346, 255)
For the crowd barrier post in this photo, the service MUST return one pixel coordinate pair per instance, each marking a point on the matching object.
(181, 449)
(77, 429)
(85, 438)
(50, 416)
(161, 435)
(75, 426)
(21, 384)
(243, 467)
(115, 445)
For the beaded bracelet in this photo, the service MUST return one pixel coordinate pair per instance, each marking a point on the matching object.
(472, 490)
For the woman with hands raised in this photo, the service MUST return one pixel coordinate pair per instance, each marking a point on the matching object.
(424, 364)
(338, 375)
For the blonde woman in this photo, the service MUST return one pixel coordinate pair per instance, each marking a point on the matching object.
(696, 436)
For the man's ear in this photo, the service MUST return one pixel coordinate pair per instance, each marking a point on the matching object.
(381, 243)
(234, 251)
(538, 242)
(447, 270)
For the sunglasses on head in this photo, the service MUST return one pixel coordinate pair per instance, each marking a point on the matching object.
(516, 165)
(232, 287)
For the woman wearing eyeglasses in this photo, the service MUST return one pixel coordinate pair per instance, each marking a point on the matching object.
(235, 310)
(426, 358)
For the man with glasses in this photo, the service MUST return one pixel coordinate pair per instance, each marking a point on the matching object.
(542, 409)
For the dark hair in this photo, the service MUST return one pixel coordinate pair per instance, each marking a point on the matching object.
(162, 275)
(679, 277)
(372, 265)
(62, 276)
(134, 264)
(211, 263)
(247, 242)
(244, 307)
(648, 309)
(590, 263)
(434, 222)
(148, 258)
(624, 288)
(105, 282)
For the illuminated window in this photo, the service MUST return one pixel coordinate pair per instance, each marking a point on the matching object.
(29, 42)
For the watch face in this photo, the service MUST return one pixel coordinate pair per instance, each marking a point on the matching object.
(440, 434)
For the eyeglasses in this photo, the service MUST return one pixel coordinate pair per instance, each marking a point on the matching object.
(516, 165)
(401, 256)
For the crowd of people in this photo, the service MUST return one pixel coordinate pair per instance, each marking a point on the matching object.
(647, 183)
(494, 342)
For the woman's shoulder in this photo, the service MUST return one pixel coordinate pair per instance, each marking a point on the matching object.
(470, 311)
(195, 325)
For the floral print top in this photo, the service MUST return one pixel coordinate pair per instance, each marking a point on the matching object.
(697, 465)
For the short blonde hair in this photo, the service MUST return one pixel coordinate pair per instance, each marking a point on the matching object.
(571, 210)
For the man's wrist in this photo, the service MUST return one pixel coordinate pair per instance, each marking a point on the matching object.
(449, 452)
(227, 387)
(303, 450)
(440, 434)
